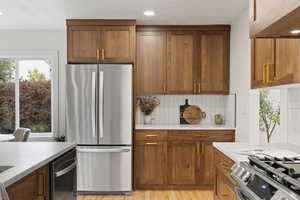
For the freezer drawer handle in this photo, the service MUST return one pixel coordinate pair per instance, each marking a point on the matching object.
(65, 170)
(103, 150)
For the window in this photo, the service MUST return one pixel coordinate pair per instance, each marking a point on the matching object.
(27, 94)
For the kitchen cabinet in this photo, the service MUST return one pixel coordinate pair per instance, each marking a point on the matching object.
(213, 67)
(264, 22)
(93, 41)
(224, 184)
(183, 162)
(176, 159)
(151, 62)
(180, 62)
(275, 62)
(34, 186)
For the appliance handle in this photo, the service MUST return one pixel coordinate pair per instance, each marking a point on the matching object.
(103, 150)
(93, 106)
(101, 104)
(65, 170)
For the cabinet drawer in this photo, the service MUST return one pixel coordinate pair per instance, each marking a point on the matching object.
(151, 135)
(205, 135)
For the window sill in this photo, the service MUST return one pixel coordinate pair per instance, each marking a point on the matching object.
(42, 137)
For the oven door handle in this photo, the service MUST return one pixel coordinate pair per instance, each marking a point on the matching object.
(65, 170)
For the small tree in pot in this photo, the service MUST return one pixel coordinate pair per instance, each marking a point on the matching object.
(269, 115)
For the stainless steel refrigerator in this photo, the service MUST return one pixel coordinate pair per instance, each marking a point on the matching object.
(99, 119)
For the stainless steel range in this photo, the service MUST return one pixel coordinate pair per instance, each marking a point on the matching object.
(267, 178)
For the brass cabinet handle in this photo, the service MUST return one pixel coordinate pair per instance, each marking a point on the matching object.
(151, 143)
(195, 88)
(265, 73)
(103, 54)
(268, 72)
(198, 148)
(165, 87)
(199, 88)
(98, 54)
(151, 135)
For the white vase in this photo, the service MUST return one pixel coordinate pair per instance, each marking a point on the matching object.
(148, 119)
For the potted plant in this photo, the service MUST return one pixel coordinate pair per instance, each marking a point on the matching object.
(147, 105)
(269, 114)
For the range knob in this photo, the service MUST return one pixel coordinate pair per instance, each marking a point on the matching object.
(246, 175)
(240, 172)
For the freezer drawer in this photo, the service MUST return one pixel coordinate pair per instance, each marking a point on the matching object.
(104, 169)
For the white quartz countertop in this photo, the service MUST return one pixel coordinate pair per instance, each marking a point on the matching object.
(182, 127)
(238, 151)
(26, 157)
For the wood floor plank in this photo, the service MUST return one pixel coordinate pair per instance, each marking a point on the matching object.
(155, 195)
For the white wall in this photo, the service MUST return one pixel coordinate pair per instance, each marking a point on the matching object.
(11, 40)
(246, 99)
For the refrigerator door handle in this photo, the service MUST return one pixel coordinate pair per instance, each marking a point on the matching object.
(94, 104)
(120, 150)
(101, 103)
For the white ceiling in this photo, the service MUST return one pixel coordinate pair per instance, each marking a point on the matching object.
(51, 14)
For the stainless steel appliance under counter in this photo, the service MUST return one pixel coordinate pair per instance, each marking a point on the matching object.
(99, 119)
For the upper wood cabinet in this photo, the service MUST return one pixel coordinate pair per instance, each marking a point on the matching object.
(83, 43)
(213, 77)
(275, 62)
(101, 41)
(151, 62)
(264, 22)
(182, 60)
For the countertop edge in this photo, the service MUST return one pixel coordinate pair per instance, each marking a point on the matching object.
(23, 174)
(183, 128)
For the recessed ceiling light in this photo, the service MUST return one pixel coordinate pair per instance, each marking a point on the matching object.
(149, 13)
(1, 13)
(297, 31)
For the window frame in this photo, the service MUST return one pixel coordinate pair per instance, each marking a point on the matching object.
(53, 56)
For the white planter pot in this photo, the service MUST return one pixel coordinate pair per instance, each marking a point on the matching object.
(148, 119)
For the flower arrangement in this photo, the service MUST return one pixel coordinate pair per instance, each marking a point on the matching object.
(148, 104)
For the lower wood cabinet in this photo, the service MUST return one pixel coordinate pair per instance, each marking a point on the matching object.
(176, 159)
(224, 184)
(33, 187)
(150, 163)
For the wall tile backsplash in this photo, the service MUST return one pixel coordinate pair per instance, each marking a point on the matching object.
(293, 106)
(167, 113)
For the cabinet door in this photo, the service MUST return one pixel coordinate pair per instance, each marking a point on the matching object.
(150, 163)
(183, 163)
(82, 44)
(180, 62)
(33, 187)
(207, 168)
(151, 63)
(214, 65)
(287, 61)
(224, 189)
(118, 43)
(263, 52)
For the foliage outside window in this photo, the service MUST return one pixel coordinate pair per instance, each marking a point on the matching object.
(269, 114)
(25, 95)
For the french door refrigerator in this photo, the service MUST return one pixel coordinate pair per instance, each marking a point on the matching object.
(99, 119)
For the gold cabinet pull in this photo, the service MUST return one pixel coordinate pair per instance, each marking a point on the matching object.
(265, 73)
(151, 135)
(98, 54)
(268, 71)
(198, 149)
(103, 54)
(199, 88)
(165, 87)
(195, 88)
(151, 143)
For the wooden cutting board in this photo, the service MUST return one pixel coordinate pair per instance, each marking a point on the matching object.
(190, 114)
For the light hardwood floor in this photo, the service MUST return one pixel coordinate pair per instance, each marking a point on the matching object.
(156, 195)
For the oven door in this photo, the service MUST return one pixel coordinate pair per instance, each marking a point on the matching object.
(244, 193)
(63, 181)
